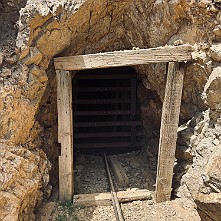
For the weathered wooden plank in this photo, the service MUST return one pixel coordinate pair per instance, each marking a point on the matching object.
(133, 110)
(107, 123)
(122, 75)
(104, 199)
(103, 145)
(95, 89)
(119, 172)
(58, 76)
(65, 135)
(102, 101)
(133, 96)
(124, 58)
(107, 134)
(62, 178)
(102, 112)
(168, 131)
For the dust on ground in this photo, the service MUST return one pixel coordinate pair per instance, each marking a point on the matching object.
(90, 177)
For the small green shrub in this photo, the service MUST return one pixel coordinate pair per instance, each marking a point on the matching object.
(66, 210)
(61, 218)
(66, 205)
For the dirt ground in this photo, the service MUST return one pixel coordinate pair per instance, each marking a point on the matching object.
(147, 210)
(90, 177)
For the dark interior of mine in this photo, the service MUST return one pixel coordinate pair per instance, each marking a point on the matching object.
(106, 111)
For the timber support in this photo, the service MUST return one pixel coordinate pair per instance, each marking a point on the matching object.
(170, 111)
(168, 131)
(65, 133)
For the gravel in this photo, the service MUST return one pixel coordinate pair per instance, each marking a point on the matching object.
(91, 177)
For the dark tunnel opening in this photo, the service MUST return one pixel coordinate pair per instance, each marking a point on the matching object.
(106, 111)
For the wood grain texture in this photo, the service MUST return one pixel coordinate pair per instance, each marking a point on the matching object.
(58, 78)
(65, 136)
(125, 58)
(168, 131)
(116, 145)
(104, 199)
(119, 173)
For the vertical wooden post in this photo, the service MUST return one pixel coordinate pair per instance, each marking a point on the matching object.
(168, 131)
(65, 133)
(133, 111)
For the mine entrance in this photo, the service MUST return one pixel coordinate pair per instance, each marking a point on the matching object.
(174, 55)
(106, 111)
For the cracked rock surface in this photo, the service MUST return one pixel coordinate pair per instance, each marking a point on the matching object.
(49, 28)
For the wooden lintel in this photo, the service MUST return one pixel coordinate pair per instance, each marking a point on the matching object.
(65, 133)
(104, 199)
(168, 131)
(125, 58)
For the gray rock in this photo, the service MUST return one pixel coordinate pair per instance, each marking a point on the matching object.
(184, 153)
(209, 206)
(215, 52)
(11, 60)
(217, 31)
(6, 72)
(1, 58)
(216, 142)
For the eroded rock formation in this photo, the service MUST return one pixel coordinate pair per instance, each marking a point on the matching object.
(23, 178)
(28, 115)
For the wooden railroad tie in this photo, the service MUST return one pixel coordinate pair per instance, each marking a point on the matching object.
(104, 199)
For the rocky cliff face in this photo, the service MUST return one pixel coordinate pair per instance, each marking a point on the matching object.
(24, 177)
(28, 116)
(24, 169)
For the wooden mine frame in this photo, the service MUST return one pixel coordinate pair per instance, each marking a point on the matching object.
(175, 55)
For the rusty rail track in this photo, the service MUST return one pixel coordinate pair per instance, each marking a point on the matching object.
(117, 209)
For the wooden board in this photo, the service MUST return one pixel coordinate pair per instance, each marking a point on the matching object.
(133, 109)
(102, 101)
(168, 131)
(119, 172)
(102, 112)
(106, 145)
(124, 58)
(107, 123)
(58, 77)
(65, 125)
(107, 134)
(107, 89)
(104, 199)
(122, 75)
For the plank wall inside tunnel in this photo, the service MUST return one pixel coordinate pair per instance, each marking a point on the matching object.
(106, 111)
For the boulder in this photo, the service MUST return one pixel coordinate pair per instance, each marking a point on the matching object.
(24, 174)
(212, 176)
(183, 153)
(215, 52)
(1, 58)
(209, 206)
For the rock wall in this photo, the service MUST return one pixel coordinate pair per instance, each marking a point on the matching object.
(24, 169)
(28, 115)
(23, 179)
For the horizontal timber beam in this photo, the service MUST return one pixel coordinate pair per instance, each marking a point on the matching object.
(104, 199)
(125, 58)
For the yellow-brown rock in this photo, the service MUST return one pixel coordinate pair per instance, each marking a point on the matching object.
(23, 176)
(28, 113)
(209, 206)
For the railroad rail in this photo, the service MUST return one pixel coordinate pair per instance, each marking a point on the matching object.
(117, 209)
